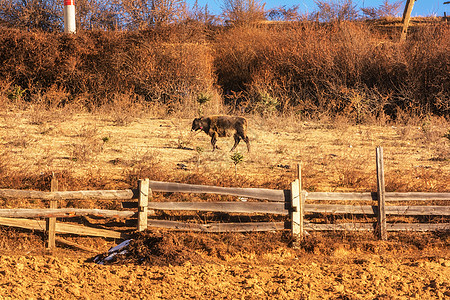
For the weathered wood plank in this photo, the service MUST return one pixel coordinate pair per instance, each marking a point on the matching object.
(89, 231)
(227, 207)
(371, 226)
(263, 194)
(280, 208)
(368, 196)
(418, 227)
(218, 227)
(144, 193)
(62, 228)
(301, 203)
(418, 210)
(417, 196)
(340, 209)
(296, 210)
(69, 195)
(254, 193)
(51, 222)
(372, 210)
(63, 213)
(340, 227)
(24, 223)
(341, 196)
(75, 245)
(381, 191)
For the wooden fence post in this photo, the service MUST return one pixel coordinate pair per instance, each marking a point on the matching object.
(381, 214)
(51, 222)
(297, 208)
(144, 191)
(302, 198)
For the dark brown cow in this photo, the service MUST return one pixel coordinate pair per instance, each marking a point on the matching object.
(223, 126)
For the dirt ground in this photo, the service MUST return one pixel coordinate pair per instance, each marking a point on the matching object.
(372, 270)
(105, 151)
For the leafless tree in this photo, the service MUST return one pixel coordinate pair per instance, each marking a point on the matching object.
(386, 9)
(243, 11)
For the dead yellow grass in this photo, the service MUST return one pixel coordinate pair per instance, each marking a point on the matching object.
(336, 156)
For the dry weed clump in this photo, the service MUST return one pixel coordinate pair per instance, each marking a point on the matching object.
(89, 145)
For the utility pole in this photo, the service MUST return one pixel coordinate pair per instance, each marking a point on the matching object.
(406, 16)
(445, 15)
(69, 16)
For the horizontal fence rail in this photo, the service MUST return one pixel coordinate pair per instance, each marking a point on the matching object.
(227, 207)
(70, 195)
(372, 210)
(254, 193)
(372, 226)
(372, 196)
(219, 227)
(64, 213)
(62, 228)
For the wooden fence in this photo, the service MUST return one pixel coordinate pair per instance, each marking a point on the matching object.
(295, 203)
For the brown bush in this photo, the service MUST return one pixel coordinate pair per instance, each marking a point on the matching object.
(337, 68)
(93, 67)
(311, 69)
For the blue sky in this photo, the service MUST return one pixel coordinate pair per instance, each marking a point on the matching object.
(421, 7)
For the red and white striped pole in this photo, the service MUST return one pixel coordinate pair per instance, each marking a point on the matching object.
(69, 16)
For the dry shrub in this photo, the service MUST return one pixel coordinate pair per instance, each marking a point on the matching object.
(428, 60)
(158, 66)
(307, 68)
(89, 146)
(123, 109)
(344, 68)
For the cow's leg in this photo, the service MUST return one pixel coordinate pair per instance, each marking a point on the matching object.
(247, 141)
(213, 141)
(237, 139)
(241, 134)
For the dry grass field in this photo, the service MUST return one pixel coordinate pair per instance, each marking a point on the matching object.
(112, 149)
(109, 149)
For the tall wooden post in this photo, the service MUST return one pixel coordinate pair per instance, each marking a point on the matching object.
(51, 222)
(406, 17)
(144, 192)
(297, 209)
(381, 216)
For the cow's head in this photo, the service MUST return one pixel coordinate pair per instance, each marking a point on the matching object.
(197, 124)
